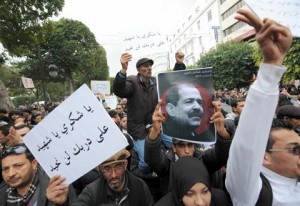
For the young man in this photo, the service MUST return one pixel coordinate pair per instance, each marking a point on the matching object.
(256, 175)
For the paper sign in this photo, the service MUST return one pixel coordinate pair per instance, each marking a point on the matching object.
(286, 12)
(75, 137)
(111, 101)
(187, 104)
(143, 44)
(98, 87)
(27, 83)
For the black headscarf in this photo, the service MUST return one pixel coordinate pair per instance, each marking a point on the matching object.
(186, 172)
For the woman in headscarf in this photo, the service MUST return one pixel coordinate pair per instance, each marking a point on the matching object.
(191, 186)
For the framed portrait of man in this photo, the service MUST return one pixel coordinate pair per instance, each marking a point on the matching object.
(187, 104)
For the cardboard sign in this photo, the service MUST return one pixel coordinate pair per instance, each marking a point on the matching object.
(75, 137)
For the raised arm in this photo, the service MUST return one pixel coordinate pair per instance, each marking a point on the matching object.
(248, 146)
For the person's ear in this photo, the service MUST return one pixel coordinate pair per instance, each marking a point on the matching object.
(34, 164)
(267, 159)
(174, 148)
(170, 109)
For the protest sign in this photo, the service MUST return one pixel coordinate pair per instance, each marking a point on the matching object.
(187, 104)
(75, 137)
(286, 12)
(27, 83)
(99, 87)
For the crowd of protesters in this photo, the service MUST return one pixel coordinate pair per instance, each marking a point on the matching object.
(255, 160)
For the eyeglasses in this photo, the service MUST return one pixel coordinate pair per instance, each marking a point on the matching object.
(117, 168)
(20, 149)
(293, 150)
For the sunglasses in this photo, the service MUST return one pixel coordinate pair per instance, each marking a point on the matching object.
(293, 150)
(20, 149)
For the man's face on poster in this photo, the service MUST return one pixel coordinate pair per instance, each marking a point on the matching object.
(188, 111)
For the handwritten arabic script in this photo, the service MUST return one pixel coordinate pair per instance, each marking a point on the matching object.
(78, 130)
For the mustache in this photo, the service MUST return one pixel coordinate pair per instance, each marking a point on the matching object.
(196, 113)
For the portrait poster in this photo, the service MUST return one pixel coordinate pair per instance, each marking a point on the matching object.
(187, 104)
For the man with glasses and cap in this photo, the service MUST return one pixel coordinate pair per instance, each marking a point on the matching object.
(25, 183)
(116, 185)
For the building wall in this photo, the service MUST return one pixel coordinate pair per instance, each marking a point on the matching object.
(195, 35)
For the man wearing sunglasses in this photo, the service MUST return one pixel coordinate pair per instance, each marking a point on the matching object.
(116, 186)
(25, 183)
(264, 161)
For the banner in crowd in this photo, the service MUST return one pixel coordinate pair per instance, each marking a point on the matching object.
(75, 137)
(286, 12)
(98, 87)
(187, 104)
(27, 83)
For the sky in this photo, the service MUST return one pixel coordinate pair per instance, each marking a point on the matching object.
(111, 20)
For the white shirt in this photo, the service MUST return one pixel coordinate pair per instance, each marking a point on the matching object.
(247, 150)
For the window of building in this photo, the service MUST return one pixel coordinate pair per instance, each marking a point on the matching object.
(198, 25)
(209, 16)
(232, 9)
(234, 28)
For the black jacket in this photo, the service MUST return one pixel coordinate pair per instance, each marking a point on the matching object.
(161, 162)
(96, 193)
(141, 102)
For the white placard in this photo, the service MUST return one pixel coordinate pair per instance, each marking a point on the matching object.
(75, 137)
(286, 12)
(27, 83)
(143, 44)
(111, 101)
(98, 87)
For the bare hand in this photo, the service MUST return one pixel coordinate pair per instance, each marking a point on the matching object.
(157, 119)
(179, 56)
(57, 192)
(274, 39)
(13, 137)
(219, 120)
(125, 58)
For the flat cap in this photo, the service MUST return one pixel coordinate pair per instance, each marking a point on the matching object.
(288, 110)
(120, 156)
(142, 61)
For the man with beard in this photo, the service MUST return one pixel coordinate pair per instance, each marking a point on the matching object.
(185, 112)
(116, 186)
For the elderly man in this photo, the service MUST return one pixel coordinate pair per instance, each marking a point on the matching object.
(25, 183)
(264, 164)
(141, 94)
(116, 186)
(185, 113)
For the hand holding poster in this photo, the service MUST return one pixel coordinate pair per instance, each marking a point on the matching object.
(187, 104)
(286, 12)
(75, 137)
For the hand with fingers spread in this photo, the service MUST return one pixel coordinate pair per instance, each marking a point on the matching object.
(219, 120)
(57, 191)
(125, 58)
(274, 39)
(157, 119)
